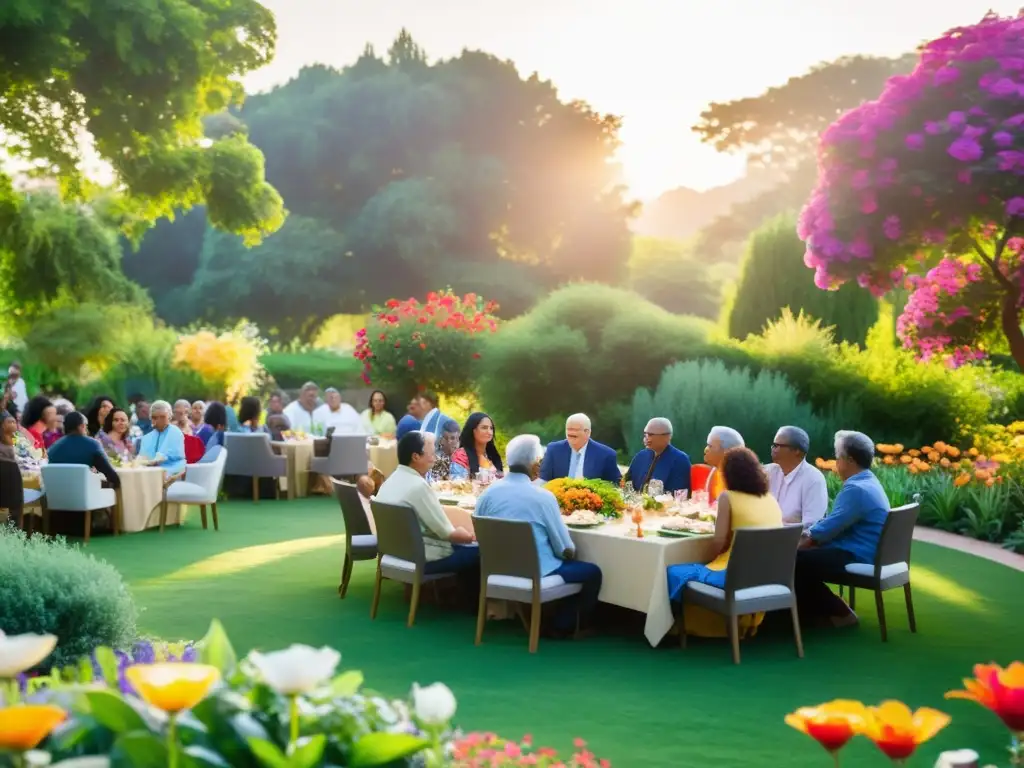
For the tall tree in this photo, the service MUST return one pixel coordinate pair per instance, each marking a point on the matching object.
(131, 83)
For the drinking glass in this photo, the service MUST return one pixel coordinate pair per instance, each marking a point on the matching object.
(655, 488)
(682, 496)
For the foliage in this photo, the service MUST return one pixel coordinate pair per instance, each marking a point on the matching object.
(228, 362)
(67, 336)
(584, 346)
(409, 346)
(472, 749)
(931, 168)
(596, 495)
(670, 274)
(292, 370)
(698, 395)
(774, 278)
(175, 64)
(47, 586)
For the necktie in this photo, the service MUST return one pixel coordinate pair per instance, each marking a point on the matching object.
(574, 464)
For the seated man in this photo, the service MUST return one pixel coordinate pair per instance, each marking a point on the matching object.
(447, 547)
(578, 456)
(343, 417)
(412, 420)
(434, 421)
(165, 444)
(76, 447)
(443, 468)
(849, 535)
(516, 498)
(660, 460)
(720, 440)
(799, 488)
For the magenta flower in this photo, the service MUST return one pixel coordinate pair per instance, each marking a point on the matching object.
(1003, 139)
(891, 227)
(946, 75)
(1015, 206)
(914, 141)
(966, 150)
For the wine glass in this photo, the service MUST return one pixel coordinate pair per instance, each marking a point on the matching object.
(655, 488)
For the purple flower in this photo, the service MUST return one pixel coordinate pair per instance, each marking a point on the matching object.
(891, 227)
(1004, 86)
(966, 150)
(1015, 206)
(1003, 139)
(956, 119)
(948, 74)
(914, 141)
(933, 128)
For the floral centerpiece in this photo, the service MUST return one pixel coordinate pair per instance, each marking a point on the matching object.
(597, 496)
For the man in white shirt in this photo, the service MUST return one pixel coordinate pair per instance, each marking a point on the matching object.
(16, 384)
(342, 416)
(447, 546)
(799, 488)
(304, 413)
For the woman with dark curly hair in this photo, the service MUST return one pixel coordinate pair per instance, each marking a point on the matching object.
(40, 415)
(478, 450)
(97, 413)
(746, 504)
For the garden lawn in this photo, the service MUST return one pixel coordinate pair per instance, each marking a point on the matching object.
(271, 575)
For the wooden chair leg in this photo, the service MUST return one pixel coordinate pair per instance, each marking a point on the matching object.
(734, 637)
(481, 615)
(346, 574)
(202, 514)
(88, 525)
(535, 626)
(853, 599)
(376, 594)
(910, 607)
(277, 488)
(216, 522)
(682, 629)
(797, 637)
(414, 602)
(163, 515)
(255, 490)
(46, 521)
(880, 605)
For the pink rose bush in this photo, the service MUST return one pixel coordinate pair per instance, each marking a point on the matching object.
(922, 188)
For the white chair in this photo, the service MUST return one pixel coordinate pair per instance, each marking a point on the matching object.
(76, 488)
(510, 570)
(201, 486)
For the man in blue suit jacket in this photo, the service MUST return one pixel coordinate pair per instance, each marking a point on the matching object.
(578, 456)
(660, 460)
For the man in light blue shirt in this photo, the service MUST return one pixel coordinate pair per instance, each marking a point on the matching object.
(433, 420)
(165, 440)
(850, 534)
(517, 498)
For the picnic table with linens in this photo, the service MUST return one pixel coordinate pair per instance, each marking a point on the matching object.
(384, 456)
(298, 454)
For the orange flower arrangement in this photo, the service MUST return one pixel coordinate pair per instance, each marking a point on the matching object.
(998, 689)
(580, 498)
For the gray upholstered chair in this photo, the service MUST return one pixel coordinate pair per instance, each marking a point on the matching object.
(891, 568)
(348, 458)
(759, 578)
(250, 455)
(400, 553)
(360, 540)
(510, 570)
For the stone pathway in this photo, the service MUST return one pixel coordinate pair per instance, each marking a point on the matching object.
(984, 549)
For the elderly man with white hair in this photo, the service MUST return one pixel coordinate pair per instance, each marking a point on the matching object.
(720, 440)
(659, 460)
(165, 443)
(799, 488)
(306, 412)
(849, 535)
(578, 456)
(516, 498)
(181, 416)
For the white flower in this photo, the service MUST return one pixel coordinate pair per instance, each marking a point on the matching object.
(92, 761)
(435, 704)
(959, 758)
(21, 652)
(298, 669)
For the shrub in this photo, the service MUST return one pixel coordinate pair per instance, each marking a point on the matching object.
(48, 587)
(773, 276)
(228, 362)
(698, 395)
(290, 370)
(668, 273)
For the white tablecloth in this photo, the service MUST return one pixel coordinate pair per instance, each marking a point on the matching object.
(298, 454)
(384, 456)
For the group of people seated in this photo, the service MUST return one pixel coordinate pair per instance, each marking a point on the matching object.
(747, 494)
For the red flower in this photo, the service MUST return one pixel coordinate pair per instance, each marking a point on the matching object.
(410, 363)
(476, 355)
(392, 303)
(398, 344)
(423, 321)
(383, 336)
(423, 346)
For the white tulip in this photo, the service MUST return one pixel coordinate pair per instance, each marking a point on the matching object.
(959, 758)
(92, 761)
(435, 704)
(298, 669)
(21, 652)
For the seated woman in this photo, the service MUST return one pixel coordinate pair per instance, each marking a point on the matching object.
(746, 504)
(250, 414)
(39, 416)
(97, 412)
(165, 445)
(478, 450)
(216, 418)
(115, 436)
(720, 440)
(277, 425)
(377, 419)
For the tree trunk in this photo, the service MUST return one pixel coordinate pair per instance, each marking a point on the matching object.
(1011, 327)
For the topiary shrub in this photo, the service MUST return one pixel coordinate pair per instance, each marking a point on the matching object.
(290, 370)
(48, 587)
(773, 276)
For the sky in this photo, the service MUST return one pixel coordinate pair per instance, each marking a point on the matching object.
(656, 63)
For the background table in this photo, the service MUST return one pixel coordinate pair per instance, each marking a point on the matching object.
(298, 453)
(384, 456)
(142, 491)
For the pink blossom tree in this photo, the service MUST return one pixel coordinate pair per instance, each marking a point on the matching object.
(923, 188)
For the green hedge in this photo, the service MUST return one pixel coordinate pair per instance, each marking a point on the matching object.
(293, 369)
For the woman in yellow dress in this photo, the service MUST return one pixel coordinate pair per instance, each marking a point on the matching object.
(746, 504)
(720, 440)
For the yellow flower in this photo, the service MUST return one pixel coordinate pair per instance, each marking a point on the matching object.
(172, 686)
(898, 732)
(23, 726)
(832, 724)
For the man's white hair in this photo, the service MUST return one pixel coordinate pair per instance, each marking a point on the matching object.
(727, 436)
(524, 451)
(160, 406)
(660, 423)
(184, 402)
(581, 419)
(855, 446)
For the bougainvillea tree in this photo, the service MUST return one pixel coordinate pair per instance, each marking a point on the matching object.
(410, 346)
(924, 189)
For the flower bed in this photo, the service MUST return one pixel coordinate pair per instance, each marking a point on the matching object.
(597, 496)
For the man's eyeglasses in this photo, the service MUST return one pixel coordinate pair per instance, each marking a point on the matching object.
(776, 446)
(656, 434)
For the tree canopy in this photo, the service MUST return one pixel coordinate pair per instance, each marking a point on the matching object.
(130, 83)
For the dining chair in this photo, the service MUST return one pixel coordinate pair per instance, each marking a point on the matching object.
(699, 474)
(250, 455)
(348, 457)
(360, 540)
(510, 570)
(891, 568)
(76, 488)
(14, 497)
(201, 486)
(759, 579)
(401, 555)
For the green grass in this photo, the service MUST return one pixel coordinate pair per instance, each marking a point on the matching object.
(271, 575)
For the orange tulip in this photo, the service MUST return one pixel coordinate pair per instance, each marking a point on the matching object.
(898, 732)
(172, 686)
(832, 724)
(939, 446)
(962, 479)
(914, 453)
(906, 458)
(953, 451)
(998, 689)
(23, 726)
